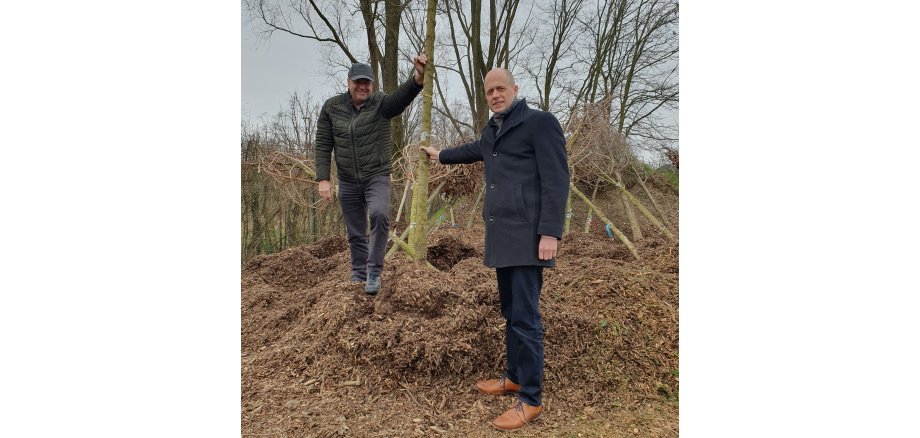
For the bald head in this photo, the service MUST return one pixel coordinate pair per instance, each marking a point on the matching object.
(502, 73)
(500, 89)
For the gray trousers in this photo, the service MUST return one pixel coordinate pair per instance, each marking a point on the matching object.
(358, 201)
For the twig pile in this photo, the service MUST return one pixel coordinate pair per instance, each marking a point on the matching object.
(316, 347)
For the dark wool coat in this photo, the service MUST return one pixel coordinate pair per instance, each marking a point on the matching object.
(360, 138)
(527, 183)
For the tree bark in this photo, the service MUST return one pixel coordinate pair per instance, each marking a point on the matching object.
(393, 10)
(664, 217)
(568, 214)
(616, 232)
(632, 199)
(418, 224)
(590, 212)
(402, 202)
(633, 221)
(406, 231)
(630, 214)
(475, 207)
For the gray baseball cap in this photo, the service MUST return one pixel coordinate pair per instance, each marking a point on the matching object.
(361, 71)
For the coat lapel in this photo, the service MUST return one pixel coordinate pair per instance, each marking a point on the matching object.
(513, 119)
(488, 136)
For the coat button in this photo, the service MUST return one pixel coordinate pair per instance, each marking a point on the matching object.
(494, 154)
(491, 186)
(491, 219)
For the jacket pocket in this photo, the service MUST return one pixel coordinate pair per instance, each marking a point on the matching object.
(519, 202)
(507, 202)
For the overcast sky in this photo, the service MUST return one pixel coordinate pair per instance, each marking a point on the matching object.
(272, 70)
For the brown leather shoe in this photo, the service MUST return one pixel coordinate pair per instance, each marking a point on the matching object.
(497, 386)
(519, 415)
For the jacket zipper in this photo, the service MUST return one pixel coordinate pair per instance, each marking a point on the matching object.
(354, 149)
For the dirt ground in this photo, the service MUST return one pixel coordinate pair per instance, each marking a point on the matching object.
(321, 358)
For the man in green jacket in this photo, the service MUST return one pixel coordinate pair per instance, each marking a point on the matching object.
(356, 126)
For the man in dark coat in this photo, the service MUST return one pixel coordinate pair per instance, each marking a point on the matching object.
(356, 126)
(527, 183)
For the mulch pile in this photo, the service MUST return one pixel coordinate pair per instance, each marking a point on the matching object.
(321, 358)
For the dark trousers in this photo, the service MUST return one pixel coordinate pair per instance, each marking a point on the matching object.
(358, 201)
(519, 293)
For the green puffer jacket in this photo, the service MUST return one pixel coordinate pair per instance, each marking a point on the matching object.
(360, 138)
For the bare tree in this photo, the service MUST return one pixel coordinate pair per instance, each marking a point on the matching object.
(478, 50)
(293, 130)
(603, 26)
(562, 34)
(331, 23)
(649, 82)
(327, 24)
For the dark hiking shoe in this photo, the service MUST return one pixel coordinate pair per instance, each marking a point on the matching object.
(373, 285)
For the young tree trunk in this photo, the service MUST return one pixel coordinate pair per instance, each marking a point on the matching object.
(630, 214)
(633, 221)
(418, 224)
(434, 194)
(616, 232)
(401, 203)
(258, 229)
(568, 214)
(294, 218)
(398, 243)
(313, 216)
(475, 207)
(402, 238)
(405, 232)
(568, 203)
(629, 196)
(590, 212)
(664, 217)
(408, 211)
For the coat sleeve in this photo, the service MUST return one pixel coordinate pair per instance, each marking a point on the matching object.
(463, 154)
(394, 104)
(553, 167)
(323, 144)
